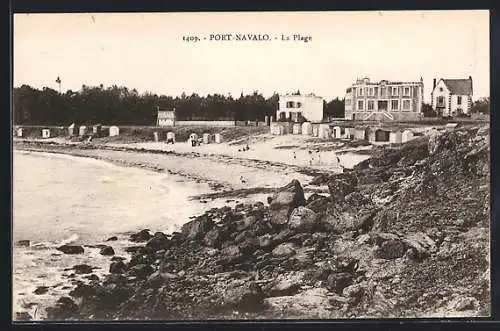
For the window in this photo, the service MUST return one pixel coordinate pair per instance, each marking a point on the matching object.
(383, 92)
(459, 100)
(406, 104)
(360, 91)
(406, 91)
(440, 89)
(299, 104)
(289, 104)
(360, 105)
(440, 101)
(348, 102)
(370, 104)
(394, 104)
(394, 91)
(371, 91)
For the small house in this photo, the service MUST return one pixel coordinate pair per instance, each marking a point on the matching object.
(407, 135)
(45, 133)
(395, 137)
(452, 97)
(114, 131)
(306, 128)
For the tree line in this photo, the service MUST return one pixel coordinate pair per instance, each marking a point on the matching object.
(122, 106)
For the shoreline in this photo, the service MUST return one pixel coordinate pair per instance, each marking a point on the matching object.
(365, 249)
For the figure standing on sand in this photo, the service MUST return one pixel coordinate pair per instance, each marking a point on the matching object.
(294, 156)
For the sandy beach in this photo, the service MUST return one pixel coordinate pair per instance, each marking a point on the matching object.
(270, 162)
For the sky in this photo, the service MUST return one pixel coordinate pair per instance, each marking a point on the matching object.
(146, 51)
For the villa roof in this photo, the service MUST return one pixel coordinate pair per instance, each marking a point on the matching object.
(459, 86)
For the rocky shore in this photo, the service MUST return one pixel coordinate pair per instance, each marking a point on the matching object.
(404, 234)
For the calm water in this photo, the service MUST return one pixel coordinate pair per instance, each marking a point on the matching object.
(63, 199)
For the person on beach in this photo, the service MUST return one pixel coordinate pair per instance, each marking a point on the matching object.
(294, 156)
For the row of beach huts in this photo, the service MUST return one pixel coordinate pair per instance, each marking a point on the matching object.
(73, 130)
(97, 131)
(330, 131)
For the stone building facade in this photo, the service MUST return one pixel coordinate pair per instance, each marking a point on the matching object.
(384, 100)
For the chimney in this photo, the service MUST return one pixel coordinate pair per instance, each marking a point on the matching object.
(434, 84)
(470, 77)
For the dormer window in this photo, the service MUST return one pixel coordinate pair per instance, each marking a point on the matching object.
(440, 89)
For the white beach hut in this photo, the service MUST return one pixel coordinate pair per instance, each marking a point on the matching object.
(395, 137)
(71, 130)
(156, 136)
(45, 133)
(207, 138)
(315, 130)
(407, 135)
(276, 128)
(324, 131)
(306, 128)
(297, 128)
(114, 131)
(96, 130)
(348, 133)
(170, 137)
(193, 139)
(218, 138)
(83, 130)
(337, 132)
(19, 132)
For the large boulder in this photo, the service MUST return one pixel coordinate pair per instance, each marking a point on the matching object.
(213, 237)
(318, 203)
(117, 267)
(247, 297)
(303, 219)
(337, 282)
(285, 201)
(284, 250)
(339, 188)
(141, 271)
(141, 236)
(70, 249)
(391, 249)
(158, 241)
(197, 228)
(107, 251)
(341, 222)
(230, 255)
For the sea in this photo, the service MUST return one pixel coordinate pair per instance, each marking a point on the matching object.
(62, 199)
